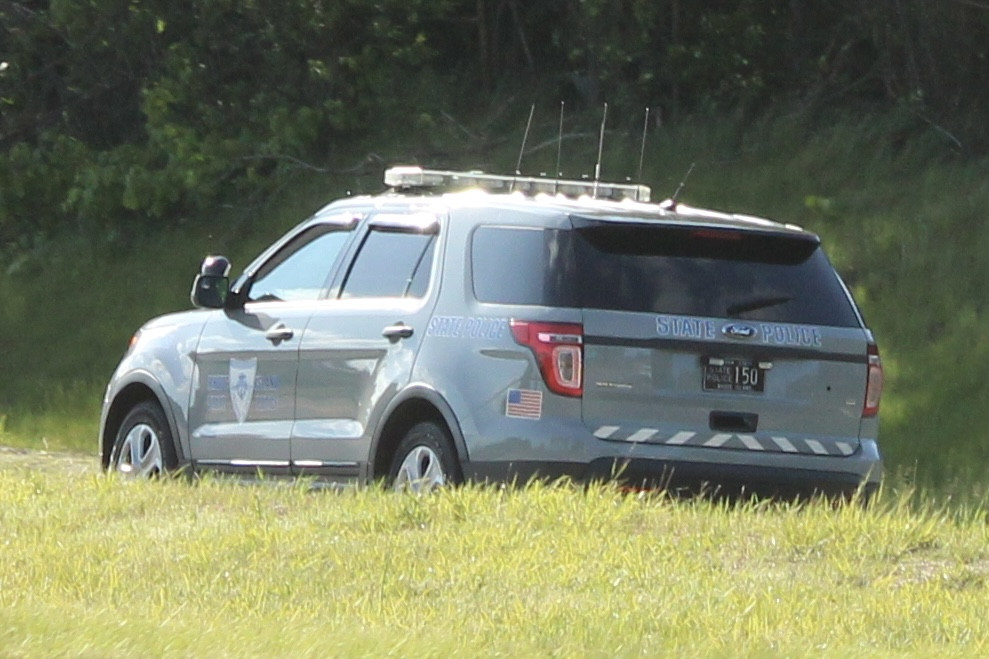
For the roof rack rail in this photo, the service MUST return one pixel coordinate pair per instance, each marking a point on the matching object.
(407, 178)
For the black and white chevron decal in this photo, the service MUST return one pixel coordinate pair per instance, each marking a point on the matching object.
(770, 444)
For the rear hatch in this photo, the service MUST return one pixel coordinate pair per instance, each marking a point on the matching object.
(718, 337)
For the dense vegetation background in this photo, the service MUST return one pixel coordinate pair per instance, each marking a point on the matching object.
(138, 135)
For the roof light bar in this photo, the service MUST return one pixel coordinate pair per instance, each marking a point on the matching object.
(415, 178)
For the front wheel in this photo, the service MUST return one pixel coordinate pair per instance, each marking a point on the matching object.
(425, 459)
(143, 447)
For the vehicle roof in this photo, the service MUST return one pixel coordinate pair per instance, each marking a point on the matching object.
(674, 213)
(418, 189)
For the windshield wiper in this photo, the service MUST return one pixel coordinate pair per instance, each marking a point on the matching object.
(758, 303)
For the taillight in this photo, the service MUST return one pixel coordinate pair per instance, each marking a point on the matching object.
(558, 348)
(874, 382)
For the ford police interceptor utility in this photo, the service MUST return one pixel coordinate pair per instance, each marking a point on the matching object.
(471, 326)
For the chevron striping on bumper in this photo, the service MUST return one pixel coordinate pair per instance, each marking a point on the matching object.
(717, 441)
(642, 435)
(680, 438)
(773, 444)
(785, 445)
(751, 443)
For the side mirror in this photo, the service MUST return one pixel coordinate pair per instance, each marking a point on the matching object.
(212, 284)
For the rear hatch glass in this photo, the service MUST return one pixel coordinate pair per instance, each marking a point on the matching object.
(710, 273)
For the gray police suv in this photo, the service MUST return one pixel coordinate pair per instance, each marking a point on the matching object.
(471, 326)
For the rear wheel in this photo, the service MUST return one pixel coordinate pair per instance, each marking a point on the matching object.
(425, 459)
(144, 447)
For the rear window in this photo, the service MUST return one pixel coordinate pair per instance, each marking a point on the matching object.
(670, 270)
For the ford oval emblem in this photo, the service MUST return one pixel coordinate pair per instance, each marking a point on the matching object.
(738, 331)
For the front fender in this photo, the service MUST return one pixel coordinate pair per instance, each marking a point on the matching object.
(159, 365)
(123, 394)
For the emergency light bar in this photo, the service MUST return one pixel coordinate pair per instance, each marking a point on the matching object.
(417, 178)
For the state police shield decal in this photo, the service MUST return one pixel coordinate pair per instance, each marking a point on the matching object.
(242, 375)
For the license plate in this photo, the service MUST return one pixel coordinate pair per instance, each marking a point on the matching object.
(733, 375)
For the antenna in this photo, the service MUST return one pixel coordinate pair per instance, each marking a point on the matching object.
(672, 203)
(597, 166)
(642, 151)
(559, 145)
(525, 137)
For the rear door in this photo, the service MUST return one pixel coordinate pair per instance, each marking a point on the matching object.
(359, 347)
(718, 338)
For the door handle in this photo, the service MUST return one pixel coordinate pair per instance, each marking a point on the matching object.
(397, 331)
(279, 333)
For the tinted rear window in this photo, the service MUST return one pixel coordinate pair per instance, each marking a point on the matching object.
(681, 271)
(521, 265)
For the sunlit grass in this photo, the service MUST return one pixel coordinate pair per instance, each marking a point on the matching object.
(97, 566)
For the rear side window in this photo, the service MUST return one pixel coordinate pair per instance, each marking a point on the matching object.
(391, 264)
(670, 270)
(523, 265)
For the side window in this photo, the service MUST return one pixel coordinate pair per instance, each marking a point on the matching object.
(523, 265)
(391, 264)
(301, 270)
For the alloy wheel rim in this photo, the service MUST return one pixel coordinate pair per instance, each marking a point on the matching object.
(421, 470)
(140, 453)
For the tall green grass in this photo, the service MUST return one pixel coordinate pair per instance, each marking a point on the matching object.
(96, 566)
(899, 208)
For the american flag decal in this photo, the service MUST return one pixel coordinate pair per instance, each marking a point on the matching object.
(524, 403)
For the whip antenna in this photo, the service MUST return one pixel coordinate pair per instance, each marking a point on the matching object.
(642, 151)
(559, 146)
(597, 166)
(525, 137)
(673, 199)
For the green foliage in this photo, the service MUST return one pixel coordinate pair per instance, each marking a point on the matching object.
(203, 103)
(124, 111)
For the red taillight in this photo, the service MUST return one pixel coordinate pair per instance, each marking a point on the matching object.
(874, 382)
(559, 351)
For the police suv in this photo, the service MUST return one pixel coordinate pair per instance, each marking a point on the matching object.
(470, 326)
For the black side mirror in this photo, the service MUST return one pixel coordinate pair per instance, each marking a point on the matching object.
(212, 284)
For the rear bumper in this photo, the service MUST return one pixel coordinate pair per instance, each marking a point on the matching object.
(829, 476)
(730, 479)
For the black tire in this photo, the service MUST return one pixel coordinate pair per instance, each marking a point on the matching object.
(144, 447)
(425, 459)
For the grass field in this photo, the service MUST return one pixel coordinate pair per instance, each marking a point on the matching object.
(95, 566)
